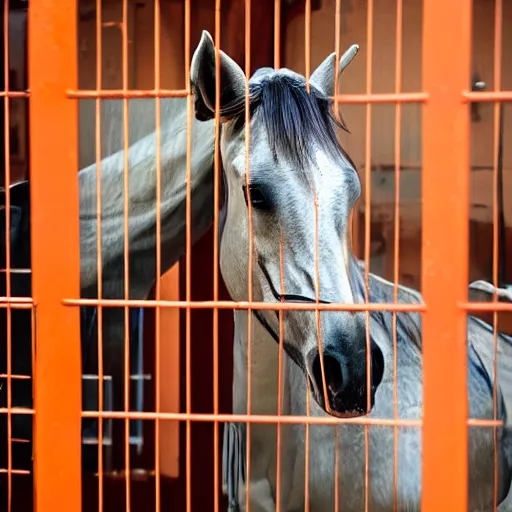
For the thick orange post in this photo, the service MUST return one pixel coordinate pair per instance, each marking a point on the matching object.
(55, 253)
(446, 73)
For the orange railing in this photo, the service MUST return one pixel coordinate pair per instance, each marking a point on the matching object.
(53, 72)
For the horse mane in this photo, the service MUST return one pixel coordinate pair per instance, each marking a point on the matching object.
(296, 121)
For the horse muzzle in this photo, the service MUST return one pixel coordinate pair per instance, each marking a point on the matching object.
(340, 385)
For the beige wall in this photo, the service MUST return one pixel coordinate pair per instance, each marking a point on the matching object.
(354, 30)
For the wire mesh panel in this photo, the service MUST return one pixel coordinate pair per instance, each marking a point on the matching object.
(298, 370)
(17, 312)
(490, 295)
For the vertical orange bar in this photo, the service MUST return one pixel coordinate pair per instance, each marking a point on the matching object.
(52, 69)
(446, 72)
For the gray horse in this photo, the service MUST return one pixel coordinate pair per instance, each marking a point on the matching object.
(300, 189)
(141, 213)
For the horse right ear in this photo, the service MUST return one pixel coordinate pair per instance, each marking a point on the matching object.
(202, 78)
(323, 76)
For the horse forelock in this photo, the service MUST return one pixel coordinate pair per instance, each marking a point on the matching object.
(297, 122)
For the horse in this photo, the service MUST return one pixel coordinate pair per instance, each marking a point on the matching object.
(298, 192)
(142, 221)
(141, 213)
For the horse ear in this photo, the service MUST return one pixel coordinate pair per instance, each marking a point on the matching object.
(323, 76)
(202, 78)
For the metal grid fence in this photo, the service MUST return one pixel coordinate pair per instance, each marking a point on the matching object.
(52, 48)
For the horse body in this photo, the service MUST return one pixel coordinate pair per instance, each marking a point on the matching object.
(301, 188)
(349, 441)
(142, 176)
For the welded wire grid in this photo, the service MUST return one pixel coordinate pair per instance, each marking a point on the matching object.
(497, 96)
(15, 309)
(438, 405)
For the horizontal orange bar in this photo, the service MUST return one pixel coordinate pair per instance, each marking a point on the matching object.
(479, 97)
(17, 300)
(15, 377)
(227, 304)
(14, 94)
(16, 410)
(14, 471)
(250, 418)
(486, 306)
(254, 418)
(120, 93)
(262, 418)
(474, 422)
(402, 97)
(15, 305)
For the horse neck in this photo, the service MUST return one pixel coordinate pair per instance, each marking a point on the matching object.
(142, 196)
(382, 291)
(264, 359)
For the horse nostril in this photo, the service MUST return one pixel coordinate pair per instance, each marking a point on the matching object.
(377, 366)
(332, 372)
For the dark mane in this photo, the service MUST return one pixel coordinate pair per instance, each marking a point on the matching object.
(295, 121)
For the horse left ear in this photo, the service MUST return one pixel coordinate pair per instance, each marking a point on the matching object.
(323, 76)
(202, 77)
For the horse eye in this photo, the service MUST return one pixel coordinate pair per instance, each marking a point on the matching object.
(259, 200)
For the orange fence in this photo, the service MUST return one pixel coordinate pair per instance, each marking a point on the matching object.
(53, 93)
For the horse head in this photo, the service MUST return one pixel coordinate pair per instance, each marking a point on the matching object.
(297, 187)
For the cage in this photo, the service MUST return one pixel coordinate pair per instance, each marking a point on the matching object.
(90, 425)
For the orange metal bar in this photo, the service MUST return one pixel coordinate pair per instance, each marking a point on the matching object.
(99, 247)
(392, 97)
(486, 306)
(158, 286)
(14, 94)
(396, 236)
(498, 51)
(337, 42)
(129, 94)
(253, 418)
(307, 74)
(247, 130)
(216, 208)
(489, 96)
(445, 253)
(17, 301)
(228, 304)
(14, 472)
(16, 410)
(277, 35)
(126, 239)
(188, 264)
(280, 364)
(55, 258)
(367, 228)
(12, 304)
(260, 418)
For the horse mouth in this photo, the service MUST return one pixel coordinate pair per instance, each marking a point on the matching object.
(337, 412)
